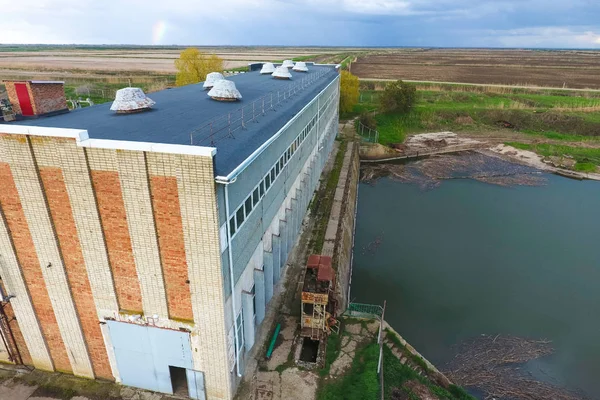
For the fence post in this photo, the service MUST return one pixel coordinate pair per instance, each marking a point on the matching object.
(380, 340)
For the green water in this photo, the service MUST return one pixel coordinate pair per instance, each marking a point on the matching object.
(469, 258)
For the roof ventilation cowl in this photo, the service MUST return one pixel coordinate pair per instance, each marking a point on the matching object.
(282, 73)
(225, 90)
(300, 67)
(212, 78)
(267, 68)
(288, 64)
(130, 100)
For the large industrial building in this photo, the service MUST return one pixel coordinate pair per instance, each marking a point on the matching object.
(144, 247)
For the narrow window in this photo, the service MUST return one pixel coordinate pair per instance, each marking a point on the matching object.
(277, 168)
(268, 181)
(248, 205)
(232, 226)
(273, 175)
(239, 215)
(240, 331)
(255, 197)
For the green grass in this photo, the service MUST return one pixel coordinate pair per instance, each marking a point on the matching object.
(563, 116)
(562, 136)
(415, 358)
(334, 345)
(305, 58)
(586, 167)
(360, 383)
(396, 375)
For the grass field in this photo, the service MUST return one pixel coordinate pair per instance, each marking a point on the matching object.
(548, 122)
(568, 117)
(101, 70)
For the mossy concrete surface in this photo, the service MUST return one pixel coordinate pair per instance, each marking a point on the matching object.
(24, 384)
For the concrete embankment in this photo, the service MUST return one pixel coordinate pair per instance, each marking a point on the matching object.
(339, 236)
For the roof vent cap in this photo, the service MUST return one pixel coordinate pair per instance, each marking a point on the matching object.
(131, 100)
(225, 90)
(267, 68)
(300, 67)
(288, 64)
(212, 78)
(282, 73)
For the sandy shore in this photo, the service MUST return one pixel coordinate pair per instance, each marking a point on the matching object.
(532, 159)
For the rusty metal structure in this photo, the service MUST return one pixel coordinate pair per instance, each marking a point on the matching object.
(318, 304)
(6, 333)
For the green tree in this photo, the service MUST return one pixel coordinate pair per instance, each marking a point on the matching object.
(193, 66)
(348, 92)
(398, 97)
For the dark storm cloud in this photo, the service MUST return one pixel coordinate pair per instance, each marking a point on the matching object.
(524, 23)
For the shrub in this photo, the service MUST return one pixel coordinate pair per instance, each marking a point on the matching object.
(398, 97)
(349, 92)
(368, 120)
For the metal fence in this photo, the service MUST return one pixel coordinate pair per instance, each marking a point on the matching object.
(367, 134)
(227, 125)
(376, 311)
(358, 310)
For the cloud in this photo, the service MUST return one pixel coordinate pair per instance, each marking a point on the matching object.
(514, 23)
(548, 36)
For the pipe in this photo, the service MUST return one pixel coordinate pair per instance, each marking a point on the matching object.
(273, 340)
(232, 282)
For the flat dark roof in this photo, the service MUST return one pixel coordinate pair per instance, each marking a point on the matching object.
(180, 111)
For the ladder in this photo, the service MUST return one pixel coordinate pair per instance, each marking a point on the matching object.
(318, 321)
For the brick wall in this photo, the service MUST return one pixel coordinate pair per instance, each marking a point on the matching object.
(114, 224)
(116, 232)
(16, 330)
(47, 97)
(30, 268)
(169, 229)
(12, 97)
(62, 216)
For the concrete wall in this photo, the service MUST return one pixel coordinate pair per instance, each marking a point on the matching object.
(89, 234)
(345, 243)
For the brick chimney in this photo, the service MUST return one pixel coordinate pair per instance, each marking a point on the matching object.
(31, 99)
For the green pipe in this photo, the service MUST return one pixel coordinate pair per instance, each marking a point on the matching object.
(273, 340)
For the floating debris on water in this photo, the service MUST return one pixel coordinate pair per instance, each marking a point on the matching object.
(430, 172)
(372, 247)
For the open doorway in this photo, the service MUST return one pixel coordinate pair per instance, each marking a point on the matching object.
(179, 381)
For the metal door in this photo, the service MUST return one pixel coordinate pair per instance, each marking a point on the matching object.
(144, 354)
(24, 99)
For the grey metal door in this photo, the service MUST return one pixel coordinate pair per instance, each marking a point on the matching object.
(144, 354)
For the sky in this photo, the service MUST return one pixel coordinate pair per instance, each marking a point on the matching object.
(443, 23)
